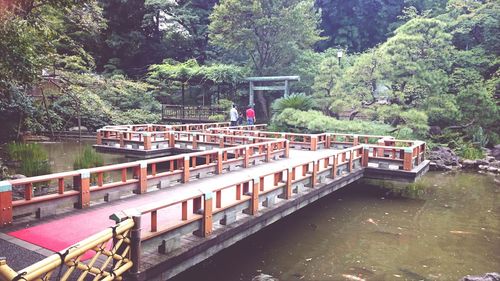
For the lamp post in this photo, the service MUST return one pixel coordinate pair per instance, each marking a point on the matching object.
(339, 55)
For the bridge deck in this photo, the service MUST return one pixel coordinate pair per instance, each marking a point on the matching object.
(62, 231)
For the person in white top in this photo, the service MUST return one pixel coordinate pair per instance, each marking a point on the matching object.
(233, 114)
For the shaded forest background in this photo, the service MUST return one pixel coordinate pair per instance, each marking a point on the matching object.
(411, 68)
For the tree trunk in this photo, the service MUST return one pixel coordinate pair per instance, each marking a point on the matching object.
(263, 103)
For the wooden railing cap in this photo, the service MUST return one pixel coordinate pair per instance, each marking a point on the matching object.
(5, 186)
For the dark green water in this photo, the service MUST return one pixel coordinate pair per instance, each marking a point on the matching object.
(451, 231)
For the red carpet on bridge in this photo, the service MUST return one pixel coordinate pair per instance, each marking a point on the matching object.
(59, 234)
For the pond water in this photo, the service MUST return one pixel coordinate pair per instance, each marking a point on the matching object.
(449, 230)
(452, 230)
(63, 154)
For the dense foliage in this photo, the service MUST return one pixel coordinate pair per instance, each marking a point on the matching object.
(418, 68)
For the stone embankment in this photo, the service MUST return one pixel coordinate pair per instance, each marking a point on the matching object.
(445, 159)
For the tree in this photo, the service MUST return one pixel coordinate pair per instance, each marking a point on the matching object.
(358, 25)
(266, 32)
(418, 58)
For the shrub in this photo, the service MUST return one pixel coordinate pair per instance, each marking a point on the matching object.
(316, 122)
(88, 158)
(470, 151)
(33, 160)
(297, 101)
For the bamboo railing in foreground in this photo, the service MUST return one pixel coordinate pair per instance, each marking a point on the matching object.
(104, 256)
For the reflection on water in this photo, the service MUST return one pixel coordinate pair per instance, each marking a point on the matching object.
(63, 154)
(359, 232)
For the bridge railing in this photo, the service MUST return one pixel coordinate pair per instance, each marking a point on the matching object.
(81, 187)
(111, 253)
(405, 157)
(196, 211)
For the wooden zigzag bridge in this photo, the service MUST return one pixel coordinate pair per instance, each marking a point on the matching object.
(152, 219)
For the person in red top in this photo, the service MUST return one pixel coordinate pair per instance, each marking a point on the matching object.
(250, 116)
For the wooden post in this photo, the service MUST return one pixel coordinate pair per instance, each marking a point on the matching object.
(238, 192)
(287, 149)
(314, 174)
(246, 187)
(84, 196)
(355, 140)
(366, 155)
(171, 140)
(196, 205)
(380, 151)
(246, 160)
(122, 143)
(185, 169)
(328, 141)
(288, 186)
(60, 185)
(207, 214)
(28, 191)
(254, 206)
(5, 203)
(219, 162)
(268, 152)
(99, 137)
(147, 140)
(184, 215)
(154, 221)
(218, 199)
(195, 141)
(314, 143)
(335, 165)
(351, 156)
(135, 244)
(221, 141)
(143, 178)
(407, 161)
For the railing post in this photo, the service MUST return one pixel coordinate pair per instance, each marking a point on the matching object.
(194, 143)
(99, 137)
(328, 142)
(335, 165)
(407, 160)
(5, 203)
(171, 140)
(147, 140)
(314, 143)
(135, 245)
(254, 206)
(351, 156)
(221, 141)
(366, 155)
(122, 142)
(185, 168)
(207, 214)
(314, 173)
(287, 148)
(288, 186)
(380, 151)
(143, 178)
(246, 160)
(268, 152)
(355, 140)
(219, 162)
(84, 196)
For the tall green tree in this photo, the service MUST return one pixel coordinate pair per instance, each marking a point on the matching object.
(267, 34)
